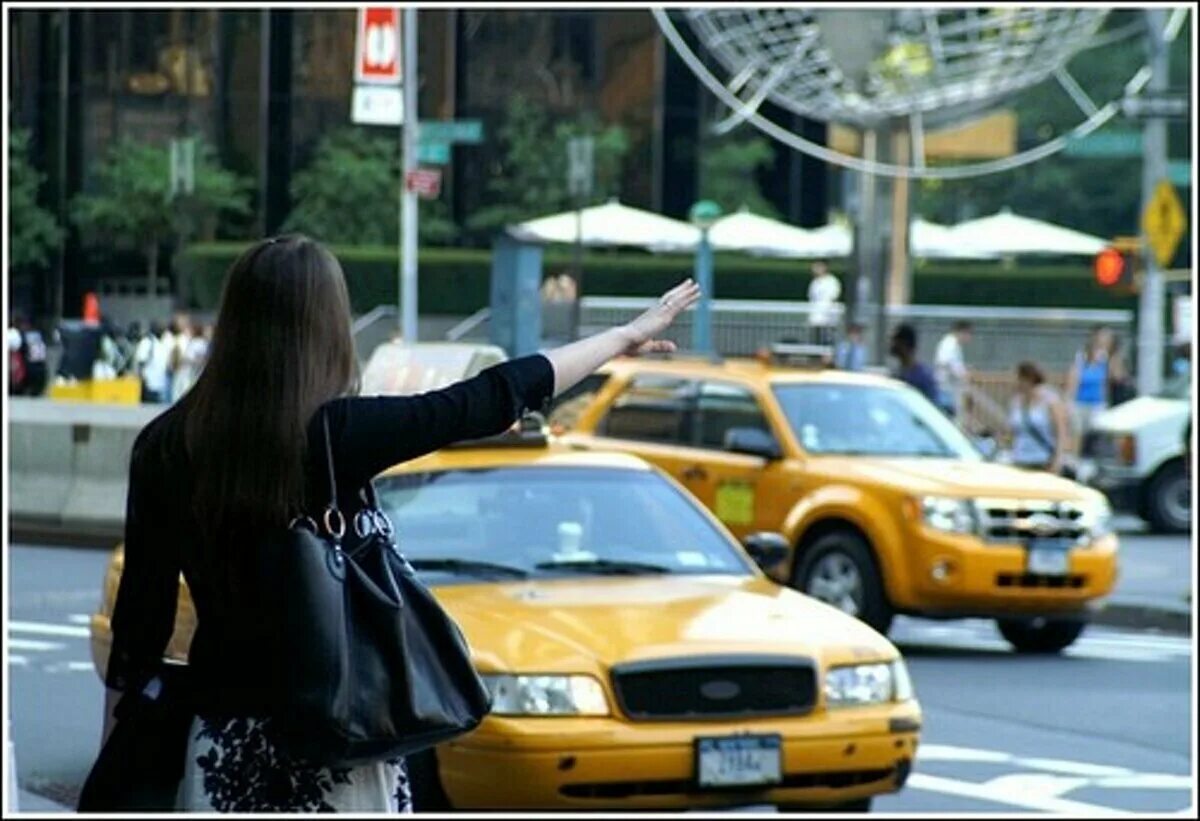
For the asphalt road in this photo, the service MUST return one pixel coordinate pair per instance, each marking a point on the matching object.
(1105, 727)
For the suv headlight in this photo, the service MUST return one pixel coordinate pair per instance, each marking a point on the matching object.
(948, 515)
(856, 685)
(546, 695)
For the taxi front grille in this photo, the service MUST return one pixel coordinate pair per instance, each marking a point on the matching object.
(715, 687)
(679, 786)
(1018, 520)
(1040, 580)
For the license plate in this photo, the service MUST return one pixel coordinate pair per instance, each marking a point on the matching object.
(1049, 557)
(738, 761)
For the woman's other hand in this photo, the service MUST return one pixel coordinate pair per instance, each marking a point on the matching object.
(642, 332)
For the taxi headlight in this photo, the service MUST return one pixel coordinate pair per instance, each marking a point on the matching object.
(1096, 519)
(948, 514)
(857, 685)
(546, 695)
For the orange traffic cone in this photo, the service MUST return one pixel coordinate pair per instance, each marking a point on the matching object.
(91, 308)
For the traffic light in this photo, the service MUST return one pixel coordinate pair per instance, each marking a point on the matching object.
(1119, 266)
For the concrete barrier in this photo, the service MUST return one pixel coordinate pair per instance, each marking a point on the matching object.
(69, 464)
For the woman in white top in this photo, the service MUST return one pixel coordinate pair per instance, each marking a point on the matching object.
(1038, 422)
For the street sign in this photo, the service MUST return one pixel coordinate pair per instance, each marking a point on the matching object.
(1173, 105)
(1163, 222)
(182, 166)
(433, 153)
(580, 162)
(377, 46)
(425, 182)
(377, 105)
(451, 131)
(1111, 142)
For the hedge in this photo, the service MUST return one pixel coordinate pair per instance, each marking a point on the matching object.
(456, 281)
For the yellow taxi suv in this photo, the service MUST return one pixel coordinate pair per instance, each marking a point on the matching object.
(637, 657)
(886, 506)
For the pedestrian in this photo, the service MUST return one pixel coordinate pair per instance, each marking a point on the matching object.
(152, 357)
(950, 369)
(191, 348)
(33, 352)
(903, 346)
(1087, 382)
(851, 353)
(824, 309)
(239, 456)
(1038, 423)
(181, 331)
(16, 360)
(1120, 383)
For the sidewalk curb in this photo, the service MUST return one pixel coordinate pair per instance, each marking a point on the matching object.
(1140, 616)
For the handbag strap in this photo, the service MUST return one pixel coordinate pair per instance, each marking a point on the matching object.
(1035, 433)
(332, 513)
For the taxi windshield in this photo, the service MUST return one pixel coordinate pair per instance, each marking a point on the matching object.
(871, 420)
(506, 523)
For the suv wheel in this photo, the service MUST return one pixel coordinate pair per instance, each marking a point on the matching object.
(1169, 499)
(839, 569)
(424, 784)
(1040, 635)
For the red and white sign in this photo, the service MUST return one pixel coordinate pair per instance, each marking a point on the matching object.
(377, 49)
(426, 182)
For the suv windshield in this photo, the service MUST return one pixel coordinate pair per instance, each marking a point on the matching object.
(870, 420)
(552, 522)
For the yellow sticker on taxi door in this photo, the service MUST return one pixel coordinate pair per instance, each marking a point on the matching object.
(735, 503)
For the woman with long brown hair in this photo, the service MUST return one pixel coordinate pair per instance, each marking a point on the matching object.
(239, 456)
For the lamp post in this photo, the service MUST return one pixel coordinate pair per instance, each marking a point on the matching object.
(702, 215)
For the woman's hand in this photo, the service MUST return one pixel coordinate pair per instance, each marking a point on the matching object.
(643, 330)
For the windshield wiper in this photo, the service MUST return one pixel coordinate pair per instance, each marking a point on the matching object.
(604, 567)
(469, 567)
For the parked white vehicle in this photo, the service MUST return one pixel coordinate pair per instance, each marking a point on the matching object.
(1136, 455)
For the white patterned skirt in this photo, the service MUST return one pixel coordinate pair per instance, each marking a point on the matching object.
(233, 765)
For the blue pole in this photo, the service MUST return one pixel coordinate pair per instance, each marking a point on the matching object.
(702, 320)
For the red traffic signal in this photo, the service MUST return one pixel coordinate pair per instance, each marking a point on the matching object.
(1109, 266)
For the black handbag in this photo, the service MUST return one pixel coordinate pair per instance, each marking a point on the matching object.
(142, 761)
(372, 666)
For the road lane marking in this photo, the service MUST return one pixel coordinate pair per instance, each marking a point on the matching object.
(1146, 781)
(44, 629)
(1060, 765)
(69, 667)
(1036, 785)
(18, 661)
(34, 644)
(986, 792)
(80, 618)
(947, 752)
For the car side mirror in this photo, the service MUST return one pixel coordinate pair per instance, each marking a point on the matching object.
(753, 442)
(767, 549)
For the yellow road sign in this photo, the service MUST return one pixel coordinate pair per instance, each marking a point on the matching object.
(1163, 222)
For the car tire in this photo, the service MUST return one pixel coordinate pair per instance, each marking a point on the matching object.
(1040, 635)
(858, 805)
(834, 553)
(1168, 499)
(424, 784)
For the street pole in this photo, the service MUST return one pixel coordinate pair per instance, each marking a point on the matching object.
(702, 318)
(408, 198)
(1154, 168)
(577, 271)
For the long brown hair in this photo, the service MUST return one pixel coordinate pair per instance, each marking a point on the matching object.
(282, 347)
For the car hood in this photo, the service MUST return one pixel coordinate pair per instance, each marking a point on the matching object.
(589, 625)
(957, 477)
(1139, 413)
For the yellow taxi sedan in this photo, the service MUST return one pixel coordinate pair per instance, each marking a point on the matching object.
(636, 656)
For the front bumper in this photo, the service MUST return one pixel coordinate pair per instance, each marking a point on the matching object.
(576, 763)
(990, 580)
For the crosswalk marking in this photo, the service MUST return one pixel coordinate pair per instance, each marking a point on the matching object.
(41, 628)
(34, 644)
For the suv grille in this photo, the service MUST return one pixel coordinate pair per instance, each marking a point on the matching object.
(1017, 520)
(715, 687)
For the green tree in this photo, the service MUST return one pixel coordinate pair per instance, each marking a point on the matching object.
(32, 230)
(131, 205)
(349, 194)
(728, 172)
(530, 179)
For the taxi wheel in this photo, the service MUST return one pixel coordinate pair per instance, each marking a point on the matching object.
(1040, 635)
(424, 783)
(839, 569)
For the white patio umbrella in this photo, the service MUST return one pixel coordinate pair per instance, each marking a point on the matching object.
(612, 224)
(933, 241)
(1006, 234)
(762, 236)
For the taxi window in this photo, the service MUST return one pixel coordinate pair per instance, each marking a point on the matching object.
(722, 406)
(652, 409)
